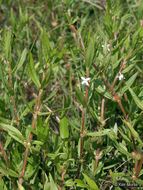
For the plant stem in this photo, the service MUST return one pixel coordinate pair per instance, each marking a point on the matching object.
(121, 68)
(86, 99)
(12, 97)
(4, 155)
(6, 161)
(82, 129)
(31, 134)
(139, 167)
(62, 179)
(125, 115)
(99, 138)
(122, 108)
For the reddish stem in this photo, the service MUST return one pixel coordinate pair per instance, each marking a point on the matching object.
(139, 167)
(31, 134)
(4, 155)
(6, 161)
(121, 68)
(62, 180)
(121, 106)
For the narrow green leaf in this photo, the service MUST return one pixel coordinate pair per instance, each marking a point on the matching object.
(7, 45)
(90, 52)
(46, 184)
(8, 172)
(90, 182)
(128, 68)
(100, 133)
(80, 183)
(52, 184)
(28, 108)
(45, 46)
(138, 102)
(129, 83)
(133, 131)
(80, 97)
(64, 130)
(121, 149)
(47, 78)
(32, 71)
(69, 183)
(12, 130)
(103, 92)
(21, 61)
(20, 187)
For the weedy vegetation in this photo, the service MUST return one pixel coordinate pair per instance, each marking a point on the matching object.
(71, 94)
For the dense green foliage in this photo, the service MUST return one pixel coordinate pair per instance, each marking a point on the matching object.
(77, 133)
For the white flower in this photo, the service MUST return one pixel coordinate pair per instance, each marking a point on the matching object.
(108, 47)
(120, 76)
(85, 81)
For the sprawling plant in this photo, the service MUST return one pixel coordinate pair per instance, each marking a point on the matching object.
(71, 99)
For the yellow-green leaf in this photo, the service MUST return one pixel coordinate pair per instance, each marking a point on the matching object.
(32, 71)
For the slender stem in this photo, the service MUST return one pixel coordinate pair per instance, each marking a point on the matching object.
(125, 115)
(62, 179)
(121, 68)
(125, 96)
(99, 138)
(52, 13)
(86, 99)
(12, 97)
(34, 95)
(4, 155)
(6, 161)
(31, 134)
(122, 108)
(139, 167)
(98, 153)
(82, 129)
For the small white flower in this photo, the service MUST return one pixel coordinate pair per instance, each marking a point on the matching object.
(85, 81)
(108, 47)
(120, 76)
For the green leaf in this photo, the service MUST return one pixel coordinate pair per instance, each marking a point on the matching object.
(45, 46)
(128, 68)
(133, 131)
(80, 97)
(8, 172)
(21, 61)
(80, 183)
(129, 83)
(47, 78)
(7, 46)
(28, 108)
(20, 187)
(46, 184)
(64, 130)
(69, 183)
(100, 133)
(32, 71)
(136, 99)
(52, 184)
(90, 182)
(90, 52)
(103, 92)
(13, 132)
